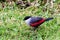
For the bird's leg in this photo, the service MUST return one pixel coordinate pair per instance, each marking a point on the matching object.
(35, 28)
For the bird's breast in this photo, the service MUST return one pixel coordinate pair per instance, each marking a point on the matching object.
(28, 21)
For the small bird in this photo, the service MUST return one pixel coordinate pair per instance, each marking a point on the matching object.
(35, 21)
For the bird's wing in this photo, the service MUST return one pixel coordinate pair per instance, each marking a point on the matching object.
(36, 21)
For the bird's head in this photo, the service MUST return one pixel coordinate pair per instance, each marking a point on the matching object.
(27, 17)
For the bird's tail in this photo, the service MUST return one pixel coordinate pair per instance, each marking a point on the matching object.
(48, 19)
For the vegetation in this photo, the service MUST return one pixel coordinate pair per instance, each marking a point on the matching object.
(12, 26)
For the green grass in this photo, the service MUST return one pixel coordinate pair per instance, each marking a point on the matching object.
(12, 26)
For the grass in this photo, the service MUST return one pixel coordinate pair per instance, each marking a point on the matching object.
(12, 26)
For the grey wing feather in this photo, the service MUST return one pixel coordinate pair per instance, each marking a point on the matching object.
(35, 19)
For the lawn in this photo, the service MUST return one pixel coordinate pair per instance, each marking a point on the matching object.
(13, 27)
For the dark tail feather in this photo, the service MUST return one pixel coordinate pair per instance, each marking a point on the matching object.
(48, 19)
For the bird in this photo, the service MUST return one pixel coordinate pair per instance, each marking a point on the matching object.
(35, 21)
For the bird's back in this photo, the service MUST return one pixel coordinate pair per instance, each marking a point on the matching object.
(35, 19)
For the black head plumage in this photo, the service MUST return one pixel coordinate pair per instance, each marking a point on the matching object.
(27, 17)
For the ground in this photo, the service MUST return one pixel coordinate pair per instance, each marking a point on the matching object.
(13, 27)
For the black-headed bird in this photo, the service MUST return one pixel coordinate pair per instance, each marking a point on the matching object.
(35, 21)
